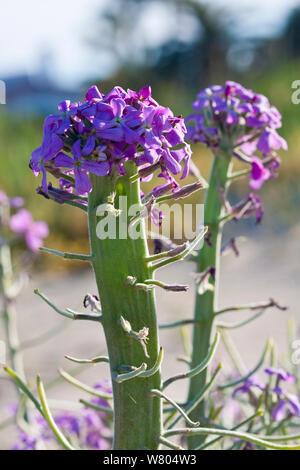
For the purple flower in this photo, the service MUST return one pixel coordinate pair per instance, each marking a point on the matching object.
(106, 131)
(68, 423)
(16, 202)
(281, 374)
(95, 441)
(93, 94)
(13, 202)
(247, 385)
(51, 145)
(22, 222)
(287, 403)
(270, 140)
(259, 174)
(89, 428)
(80, 166)
(25, 442)
(242, 119)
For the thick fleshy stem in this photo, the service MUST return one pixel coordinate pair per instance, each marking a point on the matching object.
(137, 414)
(208, 258)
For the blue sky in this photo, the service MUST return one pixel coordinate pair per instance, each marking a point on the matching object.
(55, 33)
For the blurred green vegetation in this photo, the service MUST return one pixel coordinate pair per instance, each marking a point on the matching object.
(19, 136)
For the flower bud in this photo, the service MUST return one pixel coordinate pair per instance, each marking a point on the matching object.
(187, 190)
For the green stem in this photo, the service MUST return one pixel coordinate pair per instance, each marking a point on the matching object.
(137, 414)
(97, 407)
(263, 441)
(200, 367)
(9, 315)
(209, 256)
(49, 418)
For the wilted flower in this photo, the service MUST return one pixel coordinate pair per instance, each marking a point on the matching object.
(248, 206)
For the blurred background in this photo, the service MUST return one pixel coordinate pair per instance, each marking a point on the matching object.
(55, 50)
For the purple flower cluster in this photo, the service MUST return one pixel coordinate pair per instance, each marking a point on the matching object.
(89, 429)
(101, 134)
(242, 121)
(285, 404)
(22, 223)
(34, 232)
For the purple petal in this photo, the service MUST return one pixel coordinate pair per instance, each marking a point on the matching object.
(98, 168)
(76, 150)
(34, 242)
(40, 229)
(279, 412)
(63, 161)
(64, 106)
(93, 93)
(89, 146)
(171, 163)
(145, 93)
(82, 182)
(21, 221)
(115, 134)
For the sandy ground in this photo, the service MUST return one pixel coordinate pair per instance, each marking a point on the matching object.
(267, 267)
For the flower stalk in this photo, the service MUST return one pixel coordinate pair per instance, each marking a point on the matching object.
(9, 316)
(208, 257)
(137, 414)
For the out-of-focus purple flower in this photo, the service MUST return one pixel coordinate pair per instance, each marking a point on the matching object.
(281, 374)
(247, 385)
(105, 387)
(13, 202)
(68, 423)
(95, 441)
(90, 428)
(288, 403)
(106, 131)
(270, 140)
(34, 232)
(12, 409)
(25, 442)
(231, 411)
(16, 202)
